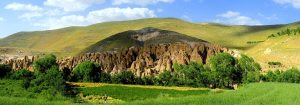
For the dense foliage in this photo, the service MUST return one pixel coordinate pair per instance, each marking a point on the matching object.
(4, 70)
(125, 77)
(21, 74)
(87, 72)
(291, 76)
(48, 79)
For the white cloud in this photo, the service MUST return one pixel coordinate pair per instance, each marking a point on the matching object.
(230, 14)
(104, 15)
(30, 15)
(294, 3)
(232, 17)
(23, 7)
(72, 5)
(140, 2)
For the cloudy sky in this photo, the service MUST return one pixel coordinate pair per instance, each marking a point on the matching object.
(32, 15)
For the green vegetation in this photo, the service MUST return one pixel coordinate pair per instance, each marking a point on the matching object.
(274, 63)
(125, 77)
(250, 94)
(133, 93)
(4, 70)
(290, 76)
(47, 83)
(250, 69)
(222, 71)
(286, 32)
(254, 42)
(87, 72)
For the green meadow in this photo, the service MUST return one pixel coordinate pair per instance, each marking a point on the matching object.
(250, 94)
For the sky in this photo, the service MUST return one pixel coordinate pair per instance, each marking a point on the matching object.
(36, 15)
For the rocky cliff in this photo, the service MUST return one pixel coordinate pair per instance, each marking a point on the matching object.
(147, 60)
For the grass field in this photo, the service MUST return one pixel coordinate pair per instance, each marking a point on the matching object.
(250, 94)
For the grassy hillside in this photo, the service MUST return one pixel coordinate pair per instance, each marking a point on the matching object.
(73, 40)
(70, 41)
(283, 49)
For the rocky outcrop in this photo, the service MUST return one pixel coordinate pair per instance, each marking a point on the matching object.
(142, 61)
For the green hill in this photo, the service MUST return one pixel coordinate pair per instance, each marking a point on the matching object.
(139, 38)
(73, 40)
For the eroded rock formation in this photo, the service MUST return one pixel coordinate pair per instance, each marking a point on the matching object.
(147, 60)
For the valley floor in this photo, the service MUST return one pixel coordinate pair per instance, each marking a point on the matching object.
(93, 93)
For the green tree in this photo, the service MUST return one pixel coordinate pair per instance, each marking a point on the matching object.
(124, 77)
(87, 71)
(223, 67)
(51, 82)
(291, 75)
(166, 78)
(249, 69)
(192, 74)
(22, 74)
(45, 63)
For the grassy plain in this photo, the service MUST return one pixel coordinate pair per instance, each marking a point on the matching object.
(11, 93)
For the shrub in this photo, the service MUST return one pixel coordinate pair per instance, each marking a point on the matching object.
(166, 78)
(192, 74)
(51, 82)
(125, 77)
(4, 70)
(105, 77)
(45, 63)
(87, 71)
(292, 76)
(274, 63)
(148, 80)
(22, 74)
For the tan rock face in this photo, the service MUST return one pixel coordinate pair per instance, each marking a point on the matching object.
(148, 60)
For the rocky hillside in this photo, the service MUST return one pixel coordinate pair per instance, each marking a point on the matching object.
(148, 60)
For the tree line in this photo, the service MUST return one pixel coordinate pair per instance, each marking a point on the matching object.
(222, 71)
(286, 32)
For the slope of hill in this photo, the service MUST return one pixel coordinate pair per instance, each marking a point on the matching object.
(283, 49)
(72, 40)
(139, 38)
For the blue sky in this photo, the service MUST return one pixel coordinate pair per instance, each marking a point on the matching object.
(34, 15)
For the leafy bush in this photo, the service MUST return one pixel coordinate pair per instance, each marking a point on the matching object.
(291, 76)
(193, 74)
(274, 63)
(4, 70)
(87, 71)
(45, 63)
(104, 77)
(125, 77)
(51, 82)
(22, 74)
(148, 80)
(249, 68)
(167, 78)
